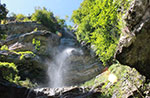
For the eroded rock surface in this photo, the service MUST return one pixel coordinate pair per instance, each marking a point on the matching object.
(81, 66)
(20, 27)
(134, 46)
(29, 56)
(73, 64)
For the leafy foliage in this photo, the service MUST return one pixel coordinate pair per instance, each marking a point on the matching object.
(45, 17)
(99, 24)
(3, 11)
(4, 47)
(128, 79)
(3, 14)
(36, 43)
(8, 71)
(22, 18)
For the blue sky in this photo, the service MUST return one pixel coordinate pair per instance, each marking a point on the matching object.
(58, 7)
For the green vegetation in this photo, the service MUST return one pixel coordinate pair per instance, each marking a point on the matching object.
(9, 72)
(24, 53)
(3, 14)
(45, 17)
(36, 43)
(22, 18)
(128, 78)
(99, 25)
(4, 47)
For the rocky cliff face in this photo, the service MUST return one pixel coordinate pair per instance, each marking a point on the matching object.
(133, 50)
(134, 46)
(34, 58)
(28, 57)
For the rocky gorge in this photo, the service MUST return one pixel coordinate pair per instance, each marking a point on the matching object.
(48, 59)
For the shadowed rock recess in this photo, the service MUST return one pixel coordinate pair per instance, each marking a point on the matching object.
(134, 46)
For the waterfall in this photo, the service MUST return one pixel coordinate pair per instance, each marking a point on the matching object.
(58, 68)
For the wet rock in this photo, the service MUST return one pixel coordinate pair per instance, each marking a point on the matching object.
(73, 64)
(68, 92)
(81, 68)
(133, 49)
(10, 90)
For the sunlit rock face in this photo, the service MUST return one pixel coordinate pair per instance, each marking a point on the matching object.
(20, 39)
(21, 27)
(21, 34)
(134, 46)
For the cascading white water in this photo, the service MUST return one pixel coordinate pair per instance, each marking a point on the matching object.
(58, 68)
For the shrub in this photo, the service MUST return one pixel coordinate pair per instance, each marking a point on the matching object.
(36, 43)
(3, 12)
(4, 47)
(99, 25)
(9, 71)
(45, 17)
(22, 18)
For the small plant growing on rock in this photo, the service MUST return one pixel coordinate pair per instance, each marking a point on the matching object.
(9, 71)
(35, 29)
(22, 18)
(4, 47)
(36, 43)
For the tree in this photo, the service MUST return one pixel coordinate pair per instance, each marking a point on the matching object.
(99, 25)
(3, 12)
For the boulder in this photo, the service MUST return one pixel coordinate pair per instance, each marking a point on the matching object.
(134, 47)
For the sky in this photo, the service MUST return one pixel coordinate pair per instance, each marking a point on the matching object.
(58, 7)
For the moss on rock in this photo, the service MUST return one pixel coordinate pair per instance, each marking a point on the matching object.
(128, 82)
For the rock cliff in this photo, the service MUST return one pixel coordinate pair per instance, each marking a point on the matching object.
(134, 46)
(34, 50)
